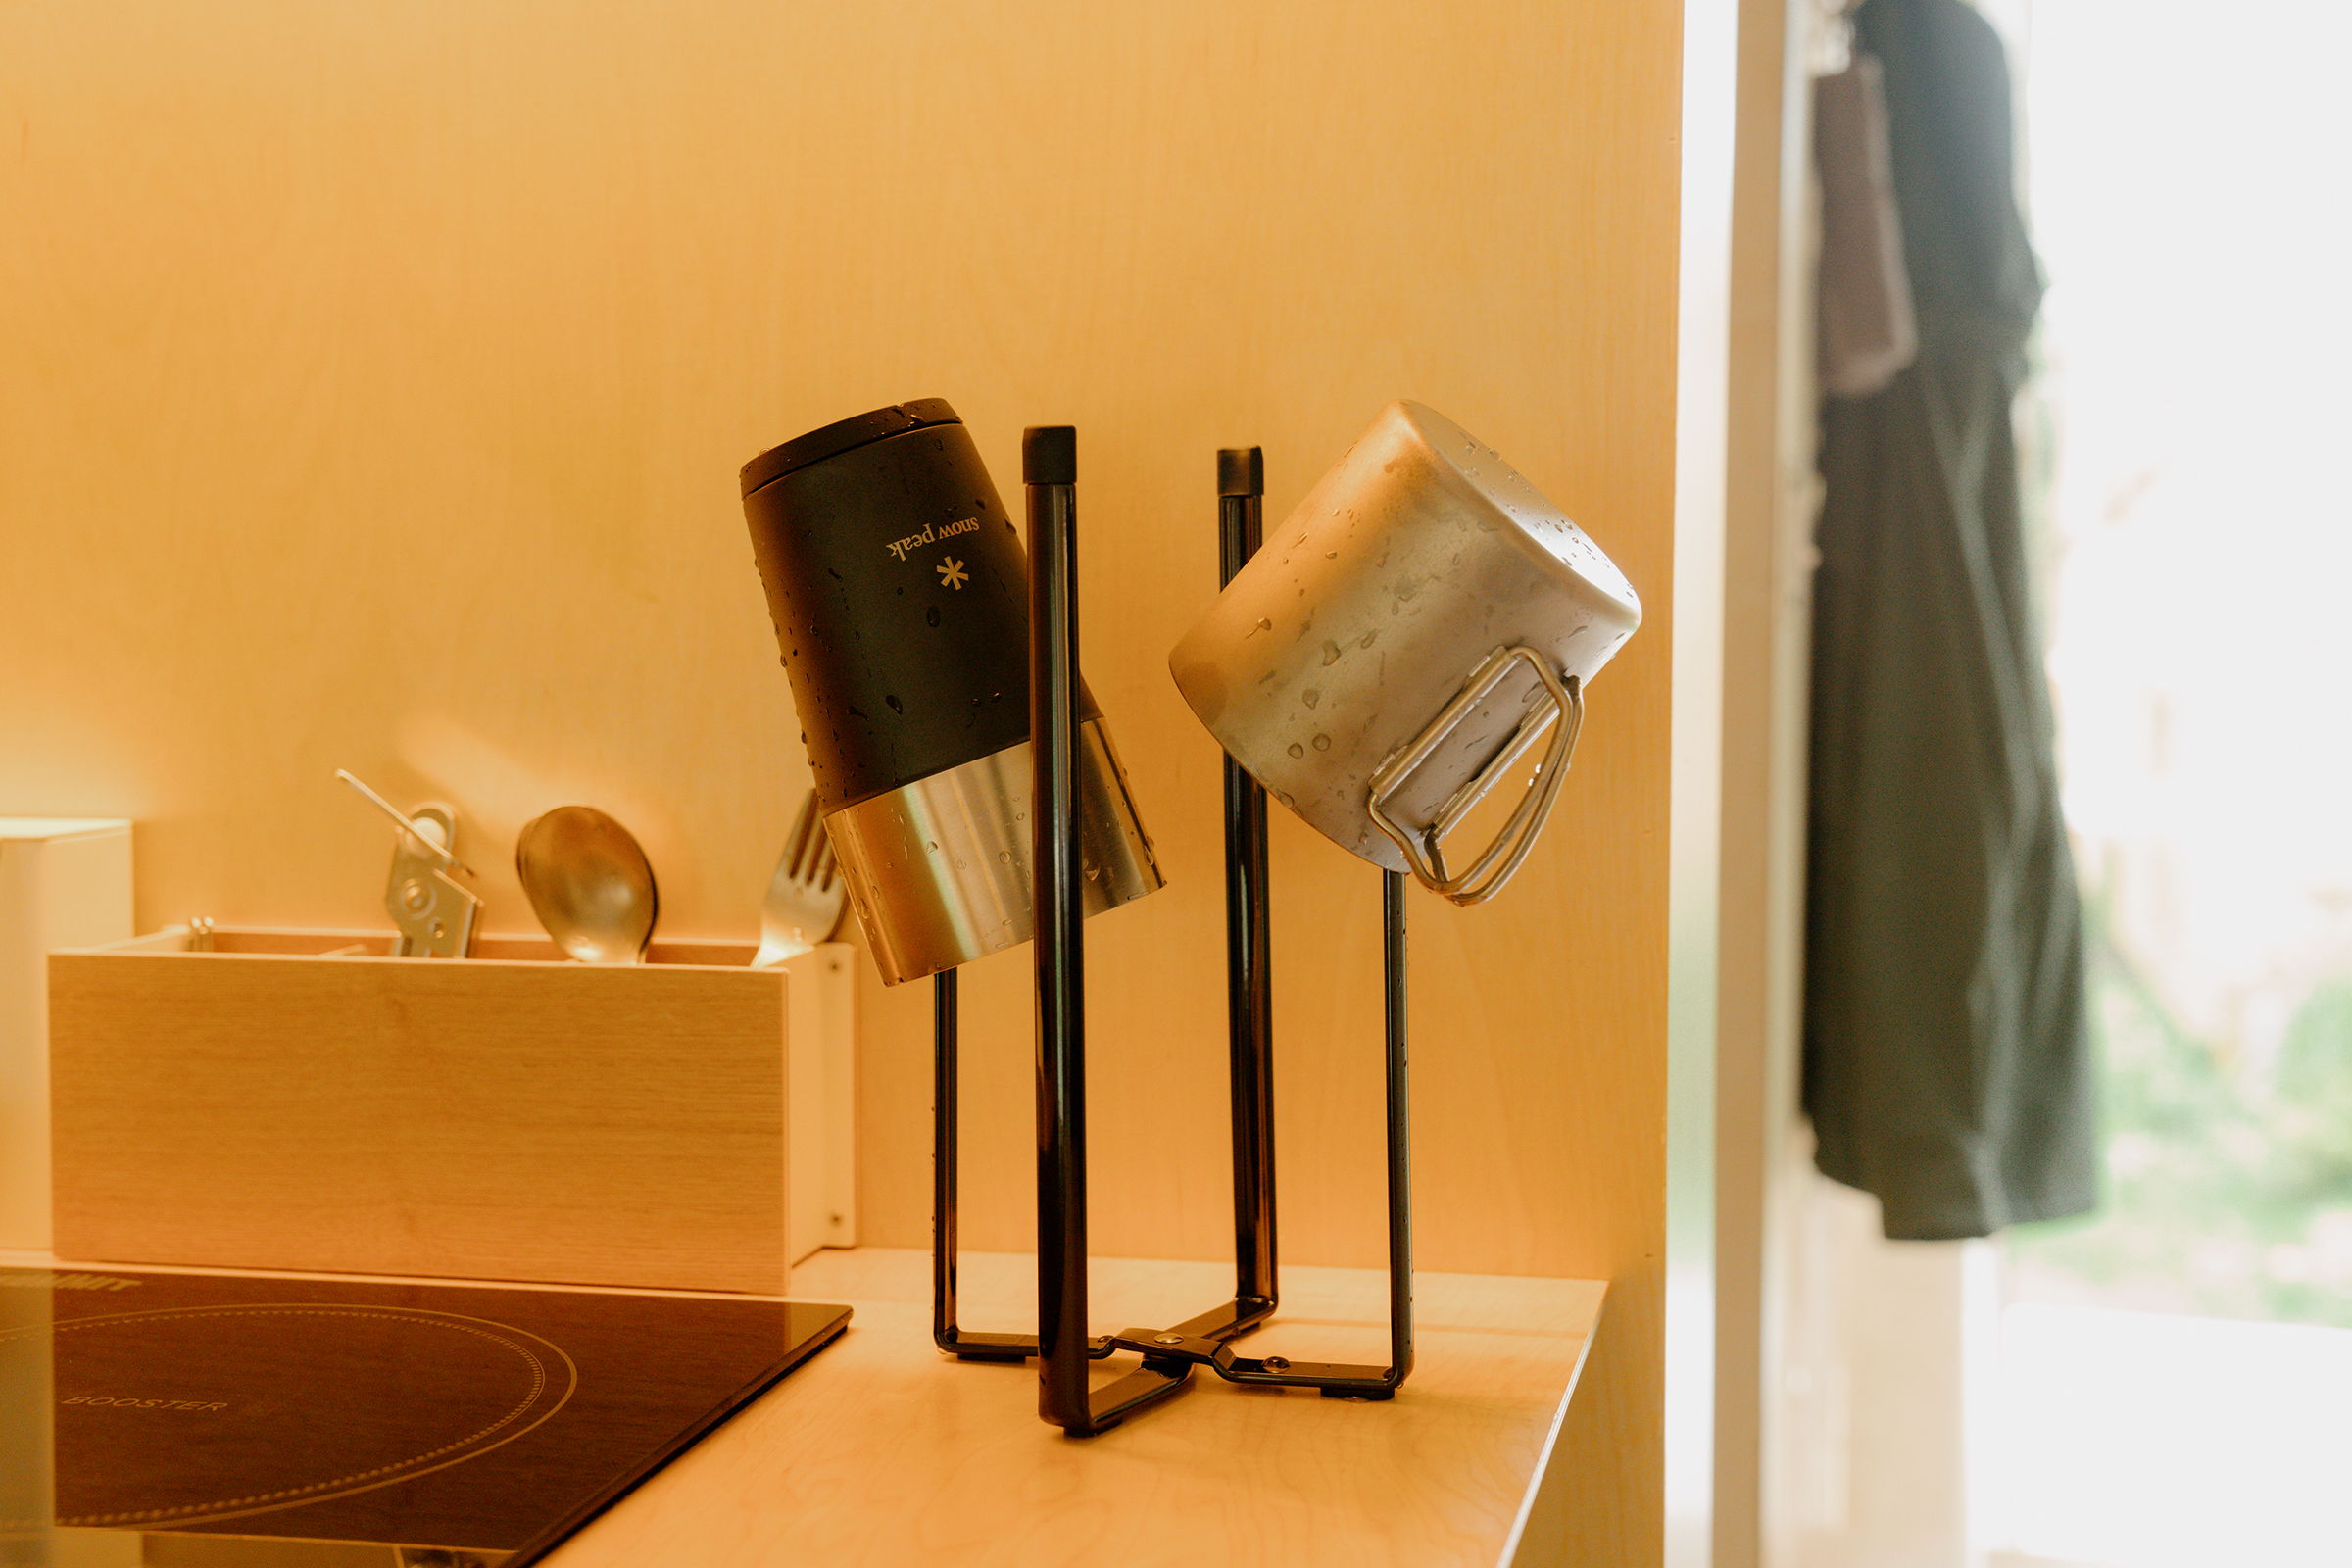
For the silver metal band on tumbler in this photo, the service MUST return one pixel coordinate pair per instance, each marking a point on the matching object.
(938, 869)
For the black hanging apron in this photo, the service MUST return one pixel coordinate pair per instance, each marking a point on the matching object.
(1947, 1067)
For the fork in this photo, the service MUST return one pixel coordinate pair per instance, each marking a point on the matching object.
(804, 896)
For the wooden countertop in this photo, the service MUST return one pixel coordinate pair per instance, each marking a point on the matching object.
(879, 1451)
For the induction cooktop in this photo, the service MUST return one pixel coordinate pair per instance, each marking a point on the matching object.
(206, 1421)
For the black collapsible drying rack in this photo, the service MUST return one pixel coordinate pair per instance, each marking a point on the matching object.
(1062, 1346)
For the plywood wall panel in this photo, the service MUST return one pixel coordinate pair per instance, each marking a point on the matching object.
(374, 380)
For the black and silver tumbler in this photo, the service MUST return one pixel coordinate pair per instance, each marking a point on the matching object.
(899, 587)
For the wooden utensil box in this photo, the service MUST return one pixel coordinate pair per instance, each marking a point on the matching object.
(299, 1100)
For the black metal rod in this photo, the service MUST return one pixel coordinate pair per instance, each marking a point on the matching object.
(1401, 1159)
(1206, 1340)
(965, 1344)
(1249, 971)
(1062, 1346)
(943, 1159)
(1049, 463)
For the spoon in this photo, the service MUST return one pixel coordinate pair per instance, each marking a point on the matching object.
(589, 883)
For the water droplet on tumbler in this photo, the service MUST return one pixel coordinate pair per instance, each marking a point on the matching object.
(932, 615)
(1298, 750)
(1322, 743)
(1331, 652)
(1004, 855)
(1311, 695)
(896, 705)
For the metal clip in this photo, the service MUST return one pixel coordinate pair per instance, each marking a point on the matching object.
(434, 915)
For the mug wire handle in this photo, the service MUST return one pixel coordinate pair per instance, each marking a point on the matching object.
(1424, 851)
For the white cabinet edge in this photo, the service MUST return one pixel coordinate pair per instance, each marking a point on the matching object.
(822, 1069)
(64, 882)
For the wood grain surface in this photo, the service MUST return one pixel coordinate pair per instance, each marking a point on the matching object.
(512, 1120)
(881, 1451)
(372, 386)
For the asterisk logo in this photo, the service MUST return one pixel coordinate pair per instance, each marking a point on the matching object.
(951, 574)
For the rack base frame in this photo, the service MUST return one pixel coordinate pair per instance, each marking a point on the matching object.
(1060, 1346)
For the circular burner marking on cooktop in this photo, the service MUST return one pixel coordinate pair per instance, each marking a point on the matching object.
(384, 1395)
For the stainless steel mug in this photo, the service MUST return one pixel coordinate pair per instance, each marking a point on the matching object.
(1401, 641)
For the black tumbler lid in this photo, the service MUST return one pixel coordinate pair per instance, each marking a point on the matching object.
(834, 439)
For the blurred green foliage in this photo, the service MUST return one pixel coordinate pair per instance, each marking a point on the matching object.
(2228, 1184)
